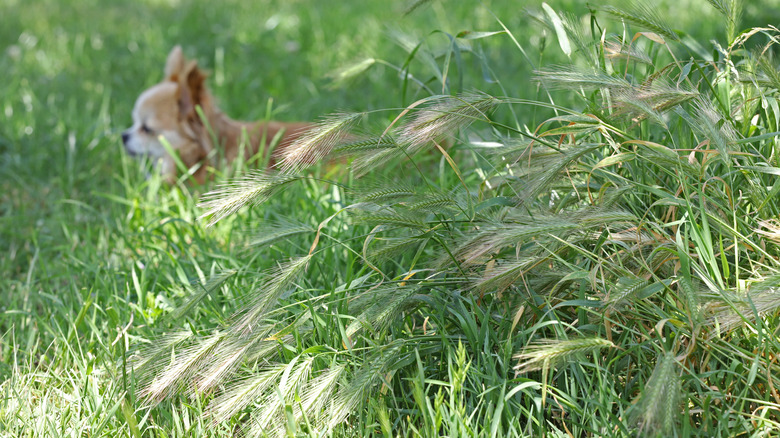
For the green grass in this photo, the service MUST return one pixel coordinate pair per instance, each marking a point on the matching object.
(605, 282)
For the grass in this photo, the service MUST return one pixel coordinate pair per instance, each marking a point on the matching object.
(602, 263)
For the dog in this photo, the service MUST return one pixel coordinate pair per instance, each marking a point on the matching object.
(168, 112)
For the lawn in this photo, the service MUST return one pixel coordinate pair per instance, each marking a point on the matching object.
(591, 251)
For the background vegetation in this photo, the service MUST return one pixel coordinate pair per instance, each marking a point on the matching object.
(597, 258)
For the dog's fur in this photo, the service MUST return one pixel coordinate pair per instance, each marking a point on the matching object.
(168, 110)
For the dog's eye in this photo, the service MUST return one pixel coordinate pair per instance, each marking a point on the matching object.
(146, 129)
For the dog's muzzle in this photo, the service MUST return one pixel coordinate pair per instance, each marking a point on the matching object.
(125, 141)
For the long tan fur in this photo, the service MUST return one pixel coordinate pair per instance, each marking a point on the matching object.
(168, 110)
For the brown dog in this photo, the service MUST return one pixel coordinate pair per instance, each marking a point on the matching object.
(168, 110)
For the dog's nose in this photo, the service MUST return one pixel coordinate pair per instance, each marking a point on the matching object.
(125, 137)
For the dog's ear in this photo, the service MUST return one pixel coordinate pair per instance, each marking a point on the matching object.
(174, 64)
(192, 90)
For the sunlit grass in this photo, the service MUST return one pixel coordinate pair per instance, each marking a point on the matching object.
(402, 302)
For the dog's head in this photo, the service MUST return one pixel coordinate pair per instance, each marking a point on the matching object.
(168, 111)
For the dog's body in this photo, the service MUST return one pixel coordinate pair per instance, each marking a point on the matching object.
(168, 110)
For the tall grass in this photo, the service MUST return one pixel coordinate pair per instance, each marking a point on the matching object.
(605, 272)
(587, 252)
